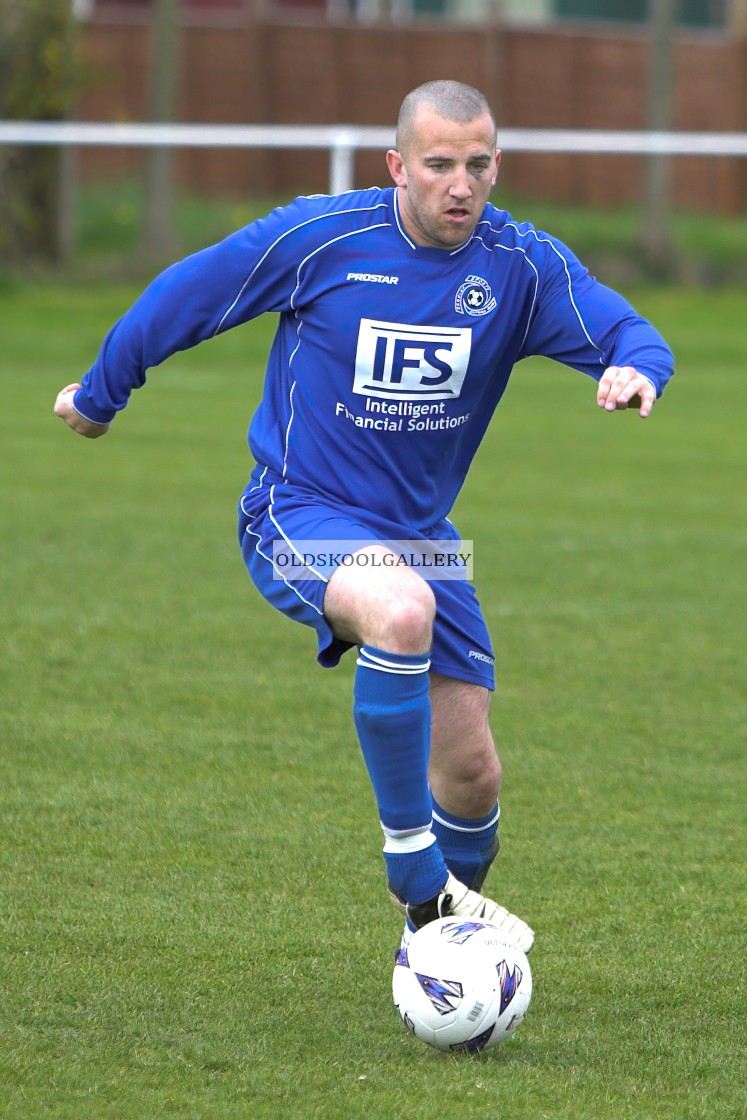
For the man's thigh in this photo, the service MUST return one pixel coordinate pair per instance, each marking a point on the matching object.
(275, 514)
(279, 530)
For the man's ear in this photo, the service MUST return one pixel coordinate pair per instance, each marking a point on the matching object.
(497, 164)
(396, 166)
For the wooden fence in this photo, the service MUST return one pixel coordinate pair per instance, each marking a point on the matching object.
(267, 73)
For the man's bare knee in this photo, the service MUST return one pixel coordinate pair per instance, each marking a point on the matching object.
(479, 775)
(391, 608)
(406, 620)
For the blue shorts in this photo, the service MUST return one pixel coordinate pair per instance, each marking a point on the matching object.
(271, 510)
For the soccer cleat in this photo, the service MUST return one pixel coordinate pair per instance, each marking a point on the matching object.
(460, 901)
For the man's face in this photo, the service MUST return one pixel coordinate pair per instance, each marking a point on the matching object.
(444, 176)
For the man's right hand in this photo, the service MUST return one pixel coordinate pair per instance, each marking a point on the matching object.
(63, 407)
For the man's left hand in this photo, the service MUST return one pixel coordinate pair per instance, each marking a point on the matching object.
(624, 387)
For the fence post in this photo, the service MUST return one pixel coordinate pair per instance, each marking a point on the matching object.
(658, 247)
(342, 162)
(159, 240)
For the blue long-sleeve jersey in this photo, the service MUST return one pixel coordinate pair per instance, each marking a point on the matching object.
(389, 358)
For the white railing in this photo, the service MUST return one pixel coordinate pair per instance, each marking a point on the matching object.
(342, 141)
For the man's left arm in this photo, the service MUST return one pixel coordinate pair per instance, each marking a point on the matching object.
(584, 324)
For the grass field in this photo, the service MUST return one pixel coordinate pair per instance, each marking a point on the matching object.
(192, 915)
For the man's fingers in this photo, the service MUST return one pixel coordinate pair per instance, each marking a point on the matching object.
(645, 401)
(64, 400)
(623, 387)
(612, 385)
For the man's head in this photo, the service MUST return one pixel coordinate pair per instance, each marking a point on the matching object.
(445, 163)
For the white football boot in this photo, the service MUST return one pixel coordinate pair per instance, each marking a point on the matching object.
(456, 899)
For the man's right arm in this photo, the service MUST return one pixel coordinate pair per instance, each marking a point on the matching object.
(242, 277)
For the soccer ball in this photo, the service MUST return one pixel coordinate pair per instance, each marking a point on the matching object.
(458, 986)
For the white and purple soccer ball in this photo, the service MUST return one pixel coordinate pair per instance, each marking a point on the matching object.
(458, 986)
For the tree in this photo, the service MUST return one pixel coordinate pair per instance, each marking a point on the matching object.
(40, 73)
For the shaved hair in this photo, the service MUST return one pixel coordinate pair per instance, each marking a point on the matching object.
(454, 101)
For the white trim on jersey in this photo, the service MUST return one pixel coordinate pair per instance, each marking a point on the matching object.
(288, 583)
(548, 241)
(326, 245)
(528, 260)
(246, 494)
(291, 546)
(411, 243)
(276, 242)
(290, 405)
(400, 227)
(300, 321)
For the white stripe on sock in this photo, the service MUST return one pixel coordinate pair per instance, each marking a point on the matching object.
(467, 828)
(409, 842)
(370, 661)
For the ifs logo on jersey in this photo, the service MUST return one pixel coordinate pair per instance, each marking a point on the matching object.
(404, 362)
(474, 297)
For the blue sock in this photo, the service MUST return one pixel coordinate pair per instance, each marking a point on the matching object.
(468, 846)
(415, 875)
(392, 716)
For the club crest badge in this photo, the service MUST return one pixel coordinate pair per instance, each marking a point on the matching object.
(474, 297)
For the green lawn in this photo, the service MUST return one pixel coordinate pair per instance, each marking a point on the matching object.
(193, 920)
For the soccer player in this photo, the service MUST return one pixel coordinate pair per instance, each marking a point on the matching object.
(401, 313)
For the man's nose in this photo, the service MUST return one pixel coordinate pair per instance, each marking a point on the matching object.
(459, 186)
